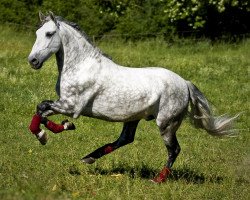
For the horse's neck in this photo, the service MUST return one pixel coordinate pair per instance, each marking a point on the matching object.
(75, 49)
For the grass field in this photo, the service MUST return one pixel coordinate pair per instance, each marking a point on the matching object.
(207, 167)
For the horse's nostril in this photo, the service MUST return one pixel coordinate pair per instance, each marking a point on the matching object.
(34, 61)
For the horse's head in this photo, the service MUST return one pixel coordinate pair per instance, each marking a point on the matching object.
(47, 41)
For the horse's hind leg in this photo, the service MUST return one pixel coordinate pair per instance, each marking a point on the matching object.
(126, 137)
(168, 134)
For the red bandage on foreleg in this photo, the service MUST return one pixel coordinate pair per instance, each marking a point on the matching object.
(35, 124)
(55, 128)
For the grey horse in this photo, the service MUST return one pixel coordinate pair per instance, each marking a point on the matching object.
(91, 84)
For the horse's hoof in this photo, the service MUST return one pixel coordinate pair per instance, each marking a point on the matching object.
(88, 160)
(158, 180)
(42, 137)
(68, 125)
(161, 178)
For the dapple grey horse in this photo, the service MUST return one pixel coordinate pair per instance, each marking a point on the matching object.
(91, 84)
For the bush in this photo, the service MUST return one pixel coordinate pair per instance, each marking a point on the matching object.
(138, 18)
(210, 18)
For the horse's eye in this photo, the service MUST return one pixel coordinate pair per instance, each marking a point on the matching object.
(50, 34)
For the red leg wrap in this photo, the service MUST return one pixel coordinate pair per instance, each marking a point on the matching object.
(55, 128)
(162, 176)
(35, 124)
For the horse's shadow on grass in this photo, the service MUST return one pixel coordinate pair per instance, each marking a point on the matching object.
(145, 172)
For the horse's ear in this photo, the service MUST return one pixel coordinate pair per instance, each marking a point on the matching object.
(52, 17)
(41, 16)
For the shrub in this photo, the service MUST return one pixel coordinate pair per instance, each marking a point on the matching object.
(139, 18)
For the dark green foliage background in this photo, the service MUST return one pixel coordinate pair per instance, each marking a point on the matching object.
(136, 18)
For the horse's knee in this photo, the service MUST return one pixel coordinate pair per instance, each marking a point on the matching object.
(44, 106)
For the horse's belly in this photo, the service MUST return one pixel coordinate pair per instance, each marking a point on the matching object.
(114, 116)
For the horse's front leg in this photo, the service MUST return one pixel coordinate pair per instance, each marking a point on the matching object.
(48, 107)
(45, 109)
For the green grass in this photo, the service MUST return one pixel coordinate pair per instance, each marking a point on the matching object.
(207, 167)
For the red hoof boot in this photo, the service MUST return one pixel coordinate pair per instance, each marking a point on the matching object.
(42, 137)
(162, 176)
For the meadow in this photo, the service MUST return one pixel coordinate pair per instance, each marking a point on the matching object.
(207, 167)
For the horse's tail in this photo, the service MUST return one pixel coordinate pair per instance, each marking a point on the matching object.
(202, 117)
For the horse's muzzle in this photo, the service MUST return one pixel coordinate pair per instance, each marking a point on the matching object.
(34, 62)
